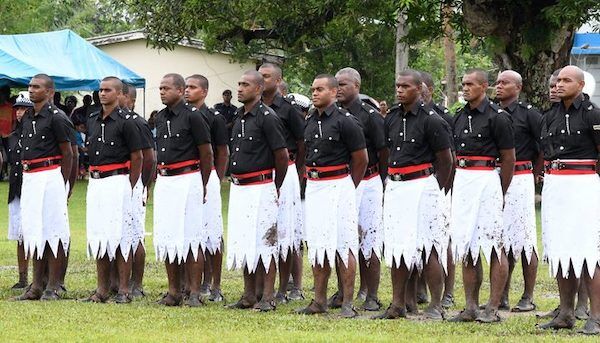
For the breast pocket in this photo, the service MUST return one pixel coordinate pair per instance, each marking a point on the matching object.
(179, 140)
(251, 142)
(330, 142)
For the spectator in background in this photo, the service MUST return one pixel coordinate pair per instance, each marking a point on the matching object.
(152, 122)
(283, 88)
(96, 106)
(56, 101)
(80, 114)
(227, 109)
(70, 104)
(383, 108)
(83, 151)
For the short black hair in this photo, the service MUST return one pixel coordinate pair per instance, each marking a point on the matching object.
(415, 75)
(118, 83)
(202, 79)
(332, 82)
(482, 75)
(47, 79)
(227, 92)
(427, 78)
(258, 78)
(177, 79)
(274, 66)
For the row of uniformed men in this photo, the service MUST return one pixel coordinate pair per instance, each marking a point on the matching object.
(343, 151)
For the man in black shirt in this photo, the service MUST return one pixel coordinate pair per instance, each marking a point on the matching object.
(416, 232)
(196, 89)
(15, 179)
(46, 160)
(369, 194)
(482, 133)
(115, 151)
(127, 104)
(184, 156)
(259, 147)
(336, 161)
(519, 209)
(227, 109)
(290, 218)
(571, 194)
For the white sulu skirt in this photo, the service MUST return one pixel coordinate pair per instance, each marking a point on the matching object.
(369, 201)
(252, 226)
(519, 217)
(476, 217)
(44, 217)
(178, 217)
(138, 214)
(15, 233)
(331, 220)
(571, 222)
(414, 222)
(109, 217)
(213, 215)
(290, 222)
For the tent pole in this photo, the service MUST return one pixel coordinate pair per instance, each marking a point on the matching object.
(144, 104)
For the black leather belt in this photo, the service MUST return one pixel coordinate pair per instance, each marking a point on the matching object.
(556, 165)
(372, 170)
(96, 174)
(466, 163)
(36, 165)
(314, 174)
(178, 171)
(292, 156)
(524, 166)
(411, 176)
(250, 180)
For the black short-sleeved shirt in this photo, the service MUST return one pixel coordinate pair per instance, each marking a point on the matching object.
(372, 124)
(179, 132)
(13, 152)
(331, 137)
(292, 119)
(482, 131)
(572, 133)
(112, 139)
(146, 137)
(415, 135)
(228, 111)
(442, 112)
(527, 125)
(216, 124)
(256, 134)
(42, 133)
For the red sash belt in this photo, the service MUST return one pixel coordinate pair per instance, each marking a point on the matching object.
(178, 168)
(327, 173)
(476, 162)
(570, 167)
(41, 164)
(254, 178)
(371, 172)
(410, 172)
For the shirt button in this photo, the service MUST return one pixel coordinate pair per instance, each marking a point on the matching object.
(412, 140)
(17, 163)
(165, 136)
(162, 163)
(99, 139)
(479, 135)
(578, 132)
(163, 149)
(401, 134)
(112, 143)
(466, 131)
(470, 117)
(97, 152)
(316, 150)
(398, 148)
(550, 134)
(394, 163)
(234, 163)
(562, 131)
(102, 124)
(316, 136)
(243, 121)
(318, 122)
(30, 135)
(562, 148)
(314, 163)
(462, 144)
(237, 149)
(16, 174)
(330, 138)
(239, 135)
(43, 137)
(26, 148)
(177, 135)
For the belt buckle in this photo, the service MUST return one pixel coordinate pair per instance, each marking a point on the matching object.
(163, 172)
(313, 174)
(462, 163)
(235, 180)
(25, 166)
(554, 165)
(95, 174)
(397, 177)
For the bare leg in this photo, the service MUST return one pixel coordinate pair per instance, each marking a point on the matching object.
(410, 295)
(472, 279)
(373, 276)
(284, 275)
(270, 275)
(193, 271)
(529, 275)
(260, 281)
(593, 289)
(23, 266)
(174, 279)
(498, 275)
(321, 275)
(124, 274)
(103, 274)
(137, 271)
(63, 273)
(400, 275)
(364, 275)
(216, 265)
(567, 287)
(55, 267)
(207, 276)
(422, 297)
(249, 286)
(434, 274)
(449, 280)
(297, 268)
(582, 300)
(348, 276)
(511, 267)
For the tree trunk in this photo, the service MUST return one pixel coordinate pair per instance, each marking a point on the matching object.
(522, 40)
(401, 46)
(449, 55)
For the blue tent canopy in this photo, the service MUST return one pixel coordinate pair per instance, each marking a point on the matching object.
(70, 60)
(586, 44)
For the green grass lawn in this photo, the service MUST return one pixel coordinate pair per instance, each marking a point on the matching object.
(144, 320)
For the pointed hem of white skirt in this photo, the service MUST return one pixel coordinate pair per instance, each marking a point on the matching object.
(32, 247)
(178, 253)
(317, 258)
(241, 262)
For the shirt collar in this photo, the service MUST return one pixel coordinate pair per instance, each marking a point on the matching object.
(254, 111)
(355, 106)
(481, 108)
(114, 115)
(414, 109)
(178, 108)
(329, 110)
(47, 109)
(512, 106)
(278, 100)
